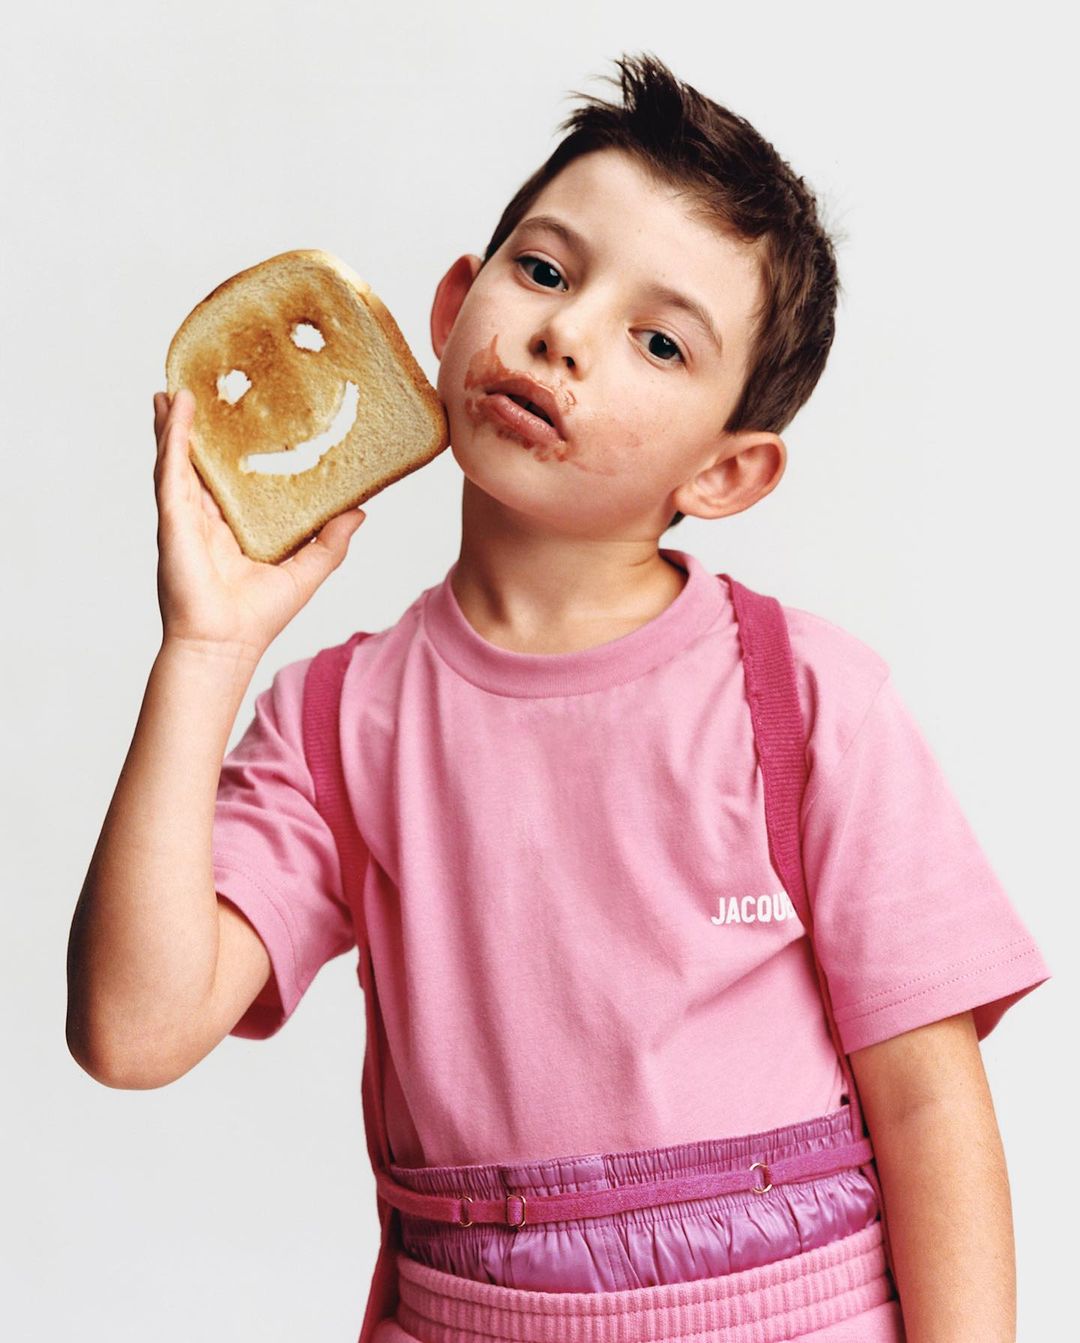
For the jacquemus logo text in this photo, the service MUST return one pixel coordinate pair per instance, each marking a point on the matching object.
(755, 909)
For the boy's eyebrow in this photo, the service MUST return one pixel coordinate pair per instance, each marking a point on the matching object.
(658, 292)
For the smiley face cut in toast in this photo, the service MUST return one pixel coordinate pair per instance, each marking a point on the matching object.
(308, 401)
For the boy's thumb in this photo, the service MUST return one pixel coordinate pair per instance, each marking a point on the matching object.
(332, 542)
(347, 524)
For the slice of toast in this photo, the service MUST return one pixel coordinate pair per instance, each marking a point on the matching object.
(307, 398)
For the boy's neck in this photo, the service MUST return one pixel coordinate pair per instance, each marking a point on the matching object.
(554, 600)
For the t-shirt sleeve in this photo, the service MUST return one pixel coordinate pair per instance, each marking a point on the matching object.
(911, 923)
(275, 857)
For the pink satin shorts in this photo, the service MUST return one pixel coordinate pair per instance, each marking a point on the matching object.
(647, 1247)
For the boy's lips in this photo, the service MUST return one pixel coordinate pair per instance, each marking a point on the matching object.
(508, 397)
(530, 428)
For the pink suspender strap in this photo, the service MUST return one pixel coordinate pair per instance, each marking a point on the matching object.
(323, 748)
(780, 739)
(769, 675)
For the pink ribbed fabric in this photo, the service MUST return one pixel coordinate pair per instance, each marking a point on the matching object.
(780, 741)
(842, 1287)
(322, 747)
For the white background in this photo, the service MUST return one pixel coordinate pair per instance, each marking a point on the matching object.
(149, 152)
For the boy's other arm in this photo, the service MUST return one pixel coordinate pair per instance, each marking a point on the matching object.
(944, 1180)
(160, 969)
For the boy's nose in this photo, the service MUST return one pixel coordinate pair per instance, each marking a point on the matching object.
(542, 348)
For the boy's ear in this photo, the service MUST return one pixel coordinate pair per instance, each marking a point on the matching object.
(449, 296)
(748, 467)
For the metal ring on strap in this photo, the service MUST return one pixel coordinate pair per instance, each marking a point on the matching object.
(465, 1199)
(515, 1225)
(761, 1189)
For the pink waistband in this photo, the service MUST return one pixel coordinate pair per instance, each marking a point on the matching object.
(645, 1242)
(750, 1163)
(782, 1300)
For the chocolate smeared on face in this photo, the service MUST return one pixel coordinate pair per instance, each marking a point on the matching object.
(485, 369)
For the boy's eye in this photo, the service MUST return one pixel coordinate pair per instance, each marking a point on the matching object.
(668, 348)
(545, 268)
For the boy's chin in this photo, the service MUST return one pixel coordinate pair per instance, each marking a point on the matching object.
(484, 450)
(493, 499)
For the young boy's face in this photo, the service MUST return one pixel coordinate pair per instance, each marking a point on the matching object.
(638, 386)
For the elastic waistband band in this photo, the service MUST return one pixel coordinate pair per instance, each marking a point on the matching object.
(781, 1300)
(603, 1169)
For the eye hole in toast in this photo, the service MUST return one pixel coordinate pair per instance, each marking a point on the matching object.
(232, 386)
(307, 336)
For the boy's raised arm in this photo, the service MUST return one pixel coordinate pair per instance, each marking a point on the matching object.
(143, 952)
(158, 969)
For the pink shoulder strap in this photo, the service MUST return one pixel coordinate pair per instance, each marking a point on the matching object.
(780, 739)
(322, 747)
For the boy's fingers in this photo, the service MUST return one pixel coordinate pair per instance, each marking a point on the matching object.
(181, 413)
(313, 562)
(173, 453)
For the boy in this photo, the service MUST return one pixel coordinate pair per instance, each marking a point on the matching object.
(654, 307)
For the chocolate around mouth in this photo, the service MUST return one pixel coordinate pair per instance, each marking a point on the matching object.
(483, 375)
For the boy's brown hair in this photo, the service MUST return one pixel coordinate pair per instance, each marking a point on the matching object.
(738, 182)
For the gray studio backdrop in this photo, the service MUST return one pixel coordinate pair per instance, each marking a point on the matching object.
(152, 150)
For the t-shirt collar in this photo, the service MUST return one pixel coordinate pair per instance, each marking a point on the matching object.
(694, 610)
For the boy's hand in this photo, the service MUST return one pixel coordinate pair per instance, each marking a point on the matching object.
(212, 596)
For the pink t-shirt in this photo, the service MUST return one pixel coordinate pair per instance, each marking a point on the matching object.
(578, 937)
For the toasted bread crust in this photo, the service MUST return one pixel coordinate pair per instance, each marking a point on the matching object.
(294, 392)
